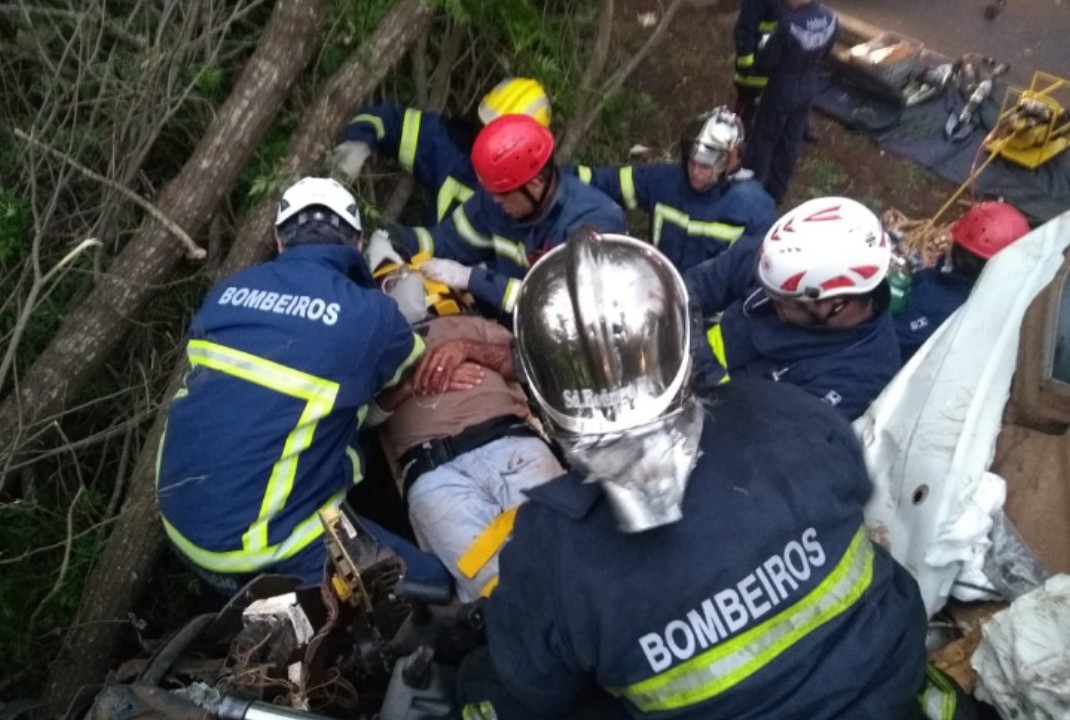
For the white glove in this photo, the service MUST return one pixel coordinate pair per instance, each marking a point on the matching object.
(380, 250)
(448, 272)
(348, 158)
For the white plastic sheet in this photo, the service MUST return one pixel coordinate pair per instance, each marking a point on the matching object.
(930, 436)
(1022, 663)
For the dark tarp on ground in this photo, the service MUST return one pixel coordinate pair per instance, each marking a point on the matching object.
(918, 133)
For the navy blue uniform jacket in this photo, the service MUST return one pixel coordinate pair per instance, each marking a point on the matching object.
(767, 600)
(285, 358)
(686, 225)
(845, 367)
(934, 296)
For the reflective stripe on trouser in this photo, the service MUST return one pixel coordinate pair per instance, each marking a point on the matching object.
(757, 82)
(938, 700)
(454, 508)
(724, 666)
(479, 711)
(716, 340)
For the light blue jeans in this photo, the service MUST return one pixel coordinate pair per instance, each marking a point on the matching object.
(450, 506)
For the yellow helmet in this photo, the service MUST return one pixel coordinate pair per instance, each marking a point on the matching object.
(516, 96)
(439, 299)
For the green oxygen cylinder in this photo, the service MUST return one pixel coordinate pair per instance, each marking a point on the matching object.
(899, 284)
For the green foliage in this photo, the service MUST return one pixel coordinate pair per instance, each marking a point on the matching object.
(351, 21)
(35, 604)
(821, 176)
(262, 176)
(608, 141)
(16, 229)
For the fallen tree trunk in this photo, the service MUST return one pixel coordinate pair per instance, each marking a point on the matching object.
(98, 325)
(323, 122)
(89, 334)
(121, 574)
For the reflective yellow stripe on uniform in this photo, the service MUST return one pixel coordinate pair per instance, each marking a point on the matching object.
(627, 187)
(510, 249)
(767, 26)
(716, 340)
(754, 81)
(745, 61)
(425, 241)
(418, 347)
(376, 122)
(410, 135)
(938, 700)
(583, 172)
(717, 230)
(319, 396)
(724, 666)
(487, 544)
(451, 192)
(479, 711)
(512, 289)
(467, 232)
(245, 561)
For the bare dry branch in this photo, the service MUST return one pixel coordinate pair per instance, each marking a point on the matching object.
(193, 250)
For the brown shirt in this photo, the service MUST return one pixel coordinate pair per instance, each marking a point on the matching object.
(427, 417)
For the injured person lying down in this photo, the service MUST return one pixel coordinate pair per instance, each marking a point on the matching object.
(463, 457)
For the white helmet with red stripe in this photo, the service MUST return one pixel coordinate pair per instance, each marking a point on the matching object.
(823, 248)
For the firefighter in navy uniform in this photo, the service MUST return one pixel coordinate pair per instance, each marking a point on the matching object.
(706, 557)
(699, 206)
(937, 292)
(433, 149)
(524, 207)
(757, 20)
(286, 360)
(791, 60)
(807, 305)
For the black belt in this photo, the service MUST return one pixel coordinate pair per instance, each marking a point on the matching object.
(429, 454)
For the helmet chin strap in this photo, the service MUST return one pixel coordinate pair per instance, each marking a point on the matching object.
(537, 203)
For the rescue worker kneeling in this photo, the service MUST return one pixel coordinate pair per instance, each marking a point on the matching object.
(465, 457)
(286, 358)
(435, 149)
(706, 558)
(524, 207)
(937, 292)
(701, 205)
(807, 305)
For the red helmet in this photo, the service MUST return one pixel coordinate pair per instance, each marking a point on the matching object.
(509, 151)
(987, 228)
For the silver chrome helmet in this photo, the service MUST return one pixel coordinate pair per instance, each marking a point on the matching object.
(601, 326)
(720, 135)
(603, 340)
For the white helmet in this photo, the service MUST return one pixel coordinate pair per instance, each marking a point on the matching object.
(318, 192)
(824, 248)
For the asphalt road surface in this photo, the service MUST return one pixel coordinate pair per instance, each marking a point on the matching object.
(1029, 34)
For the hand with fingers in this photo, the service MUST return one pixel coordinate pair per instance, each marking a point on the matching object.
(437, 367)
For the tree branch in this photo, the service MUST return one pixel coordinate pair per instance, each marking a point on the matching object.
(193, 250)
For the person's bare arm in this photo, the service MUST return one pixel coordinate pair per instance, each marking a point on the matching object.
(437, 366)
